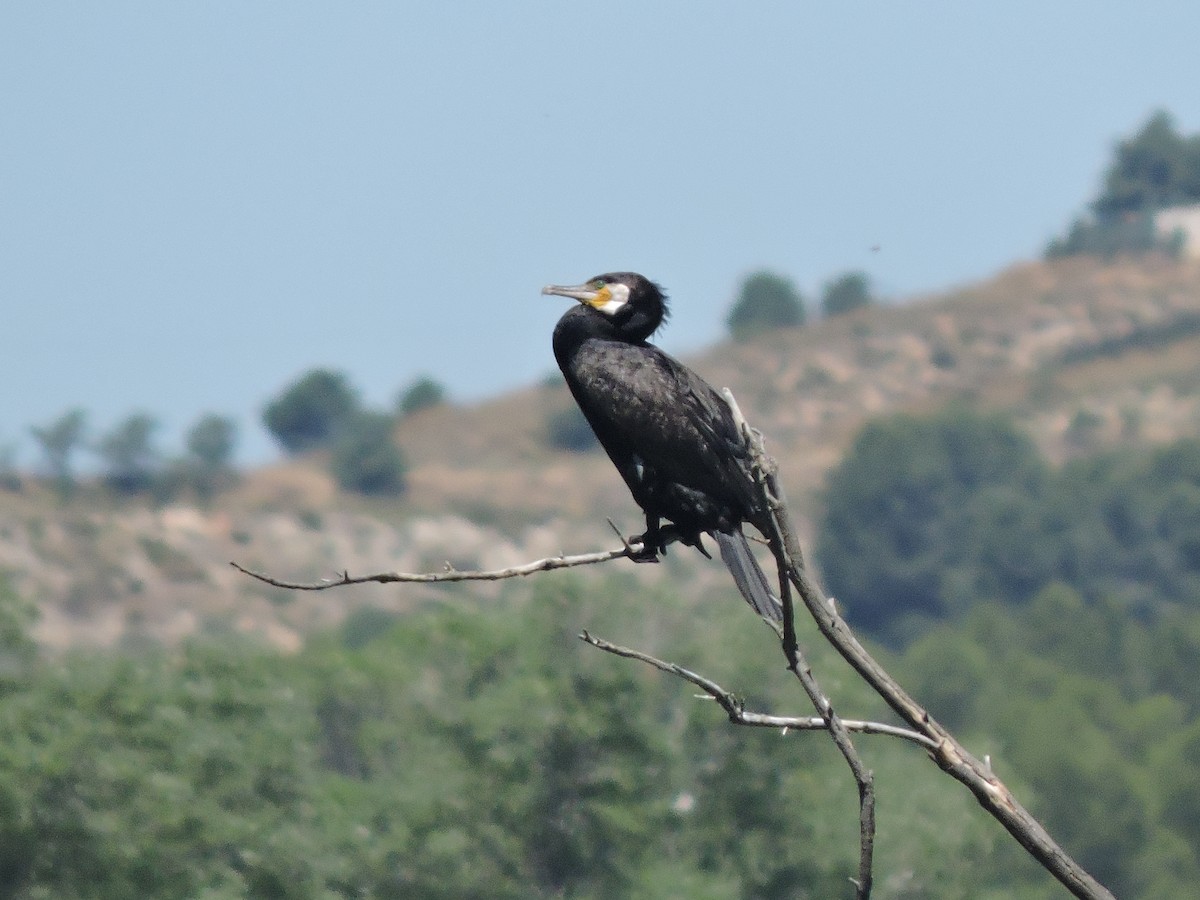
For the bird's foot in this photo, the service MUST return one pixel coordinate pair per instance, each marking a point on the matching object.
(641, 548)
(645, 553)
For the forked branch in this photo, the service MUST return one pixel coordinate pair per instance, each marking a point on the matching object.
(943, 748)
(949, 754)
(732, 704)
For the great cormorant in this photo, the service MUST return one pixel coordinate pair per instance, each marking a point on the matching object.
(670, 435)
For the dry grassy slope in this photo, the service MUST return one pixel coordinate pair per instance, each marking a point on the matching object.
(1084, 354)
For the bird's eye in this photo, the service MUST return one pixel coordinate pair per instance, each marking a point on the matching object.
(597, 284)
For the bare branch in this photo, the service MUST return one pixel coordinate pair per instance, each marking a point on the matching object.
(732, 704)
(950, 755)
(943, 748)
(450, 574)
(772, 497)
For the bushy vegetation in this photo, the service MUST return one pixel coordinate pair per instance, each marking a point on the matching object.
(311, 412)
(479, 750)
(321, 410)
(765, 301)
(904, 511)
(365, 458)
(461, 753)
(926, 517)
(423, 393)
(130, 462)
(1156, 168)
(1133, 233)
(1097, 711)
(846, 293)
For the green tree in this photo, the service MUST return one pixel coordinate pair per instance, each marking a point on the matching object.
(160, 775)
(765, 301)
(365, 457)
(1156, 168)
(421, 394)
(131, 461)
(58, 441)
(311, 412)
(904, 513)
(846, 293)
(1062, 684)
(1127, 524)
(210, 443)
(509, 774)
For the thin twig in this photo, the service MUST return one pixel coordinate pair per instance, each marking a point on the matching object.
(737, 713)
(450, 574)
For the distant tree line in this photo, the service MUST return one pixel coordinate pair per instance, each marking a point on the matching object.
(321, 410)
(925, 516)
(767, 301)
(130, 460)
(1155, 169)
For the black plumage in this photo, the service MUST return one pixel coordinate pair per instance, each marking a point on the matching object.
(672, 438)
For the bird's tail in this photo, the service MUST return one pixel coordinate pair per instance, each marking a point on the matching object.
(748, 575)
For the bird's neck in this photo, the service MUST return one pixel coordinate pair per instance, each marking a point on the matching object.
(581, 324)
(576, 326)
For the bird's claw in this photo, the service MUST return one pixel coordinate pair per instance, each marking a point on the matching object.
(648, 553)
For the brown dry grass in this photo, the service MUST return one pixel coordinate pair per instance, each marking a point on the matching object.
(485, 486)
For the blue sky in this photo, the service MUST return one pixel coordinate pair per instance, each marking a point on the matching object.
(200, 201)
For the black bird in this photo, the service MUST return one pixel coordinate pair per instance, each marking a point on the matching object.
(670, 435)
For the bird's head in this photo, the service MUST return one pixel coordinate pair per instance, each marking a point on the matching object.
(635, 304)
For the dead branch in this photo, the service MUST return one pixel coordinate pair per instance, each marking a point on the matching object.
(946, 752)
(776, 541)
(737, 712)
(449, 573)
(950, 756)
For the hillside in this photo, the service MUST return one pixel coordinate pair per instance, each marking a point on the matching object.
(1083, 354)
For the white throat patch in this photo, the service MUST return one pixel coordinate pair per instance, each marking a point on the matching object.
(618, 297)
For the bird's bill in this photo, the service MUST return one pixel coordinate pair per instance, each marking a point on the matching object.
(584, 293)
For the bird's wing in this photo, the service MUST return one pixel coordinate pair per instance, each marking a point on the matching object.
(661, 423)
(722, 452)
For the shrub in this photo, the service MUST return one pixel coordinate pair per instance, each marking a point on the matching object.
(766, 301)
(365, 458)
(311, 412)
(846, 293)
(421, 394)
